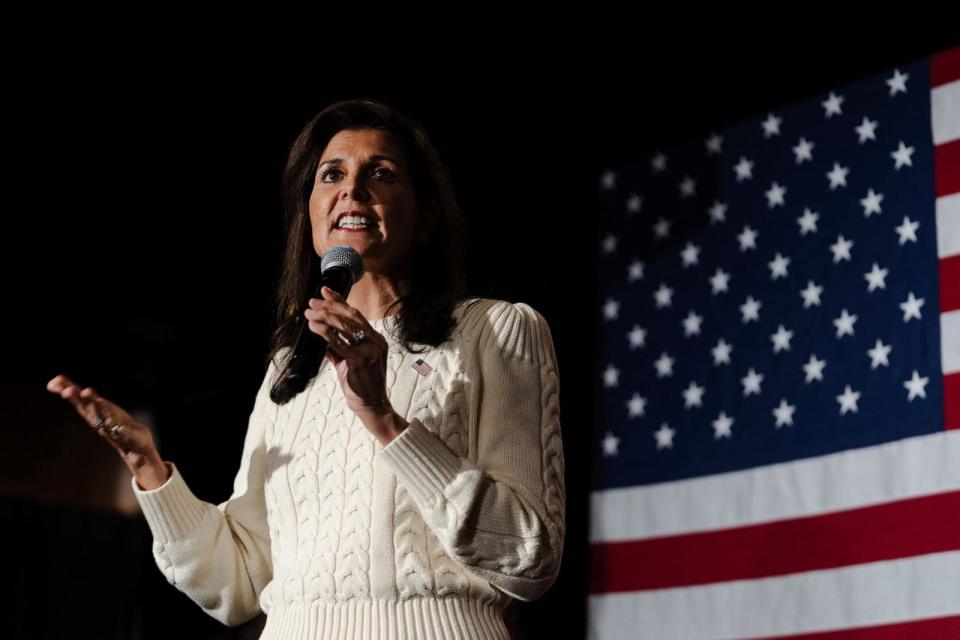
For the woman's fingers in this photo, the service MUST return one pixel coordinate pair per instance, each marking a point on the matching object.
(112, 422)
(320, 315)
(327, 325)
(338, 341)
(89, 404)
(60, 383)
(326, 314)
(82, 399)
(119, 428)
(132, 440)
(56, 383)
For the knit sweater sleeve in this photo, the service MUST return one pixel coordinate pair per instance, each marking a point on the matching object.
(217, 554)
(498, 513)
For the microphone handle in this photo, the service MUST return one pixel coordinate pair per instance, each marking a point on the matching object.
(310, 348)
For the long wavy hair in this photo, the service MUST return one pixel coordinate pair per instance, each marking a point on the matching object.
(438, 280)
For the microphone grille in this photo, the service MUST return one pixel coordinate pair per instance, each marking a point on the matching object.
(343, 257)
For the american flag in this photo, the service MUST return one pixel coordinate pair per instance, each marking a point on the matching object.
(776, 450)
(422, 367)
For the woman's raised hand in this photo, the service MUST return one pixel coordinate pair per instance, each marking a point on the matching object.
(131, 439)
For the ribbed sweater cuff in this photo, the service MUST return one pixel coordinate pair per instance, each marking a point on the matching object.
(422, 462)
(171, 510)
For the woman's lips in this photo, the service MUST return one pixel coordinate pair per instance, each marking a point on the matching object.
(360, 230)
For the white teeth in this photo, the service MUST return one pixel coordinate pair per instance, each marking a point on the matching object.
(354, 222)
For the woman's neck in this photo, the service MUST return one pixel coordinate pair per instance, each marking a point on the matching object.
(374, 294)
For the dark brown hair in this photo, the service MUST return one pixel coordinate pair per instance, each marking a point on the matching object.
(438, 280)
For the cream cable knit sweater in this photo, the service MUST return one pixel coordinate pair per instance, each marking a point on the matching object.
(334, 535)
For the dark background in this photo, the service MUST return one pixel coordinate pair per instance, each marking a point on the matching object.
(143, 235)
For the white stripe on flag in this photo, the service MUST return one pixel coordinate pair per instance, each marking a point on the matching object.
(860, 595)
(944, 107)
(925, 465)
(950, 343)
(948, 225)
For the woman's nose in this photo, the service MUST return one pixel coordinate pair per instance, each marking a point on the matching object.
(356, 188)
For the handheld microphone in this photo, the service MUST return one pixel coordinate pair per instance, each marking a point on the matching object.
(340, 268)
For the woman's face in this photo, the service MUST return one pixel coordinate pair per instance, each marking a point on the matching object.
(365, 172)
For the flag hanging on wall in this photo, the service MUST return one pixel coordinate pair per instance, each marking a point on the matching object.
(776, 446)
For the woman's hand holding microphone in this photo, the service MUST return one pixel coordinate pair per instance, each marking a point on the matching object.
(361, 362)
(131, 439)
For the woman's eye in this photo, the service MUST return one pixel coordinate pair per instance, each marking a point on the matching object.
(389, 173)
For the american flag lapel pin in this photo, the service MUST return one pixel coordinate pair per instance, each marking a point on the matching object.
(422, 367)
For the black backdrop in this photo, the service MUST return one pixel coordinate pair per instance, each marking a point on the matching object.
(142, 239)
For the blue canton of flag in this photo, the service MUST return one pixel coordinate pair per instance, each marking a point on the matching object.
(770, 291)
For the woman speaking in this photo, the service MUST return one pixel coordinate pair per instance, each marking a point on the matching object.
(416, 484)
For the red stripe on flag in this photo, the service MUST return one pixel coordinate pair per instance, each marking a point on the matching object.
(946, 168)
(900, 529)
(945, 67)
(951, 402)
(949, 283)
(931, 629)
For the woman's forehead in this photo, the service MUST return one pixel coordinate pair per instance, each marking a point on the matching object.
(364, 141)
